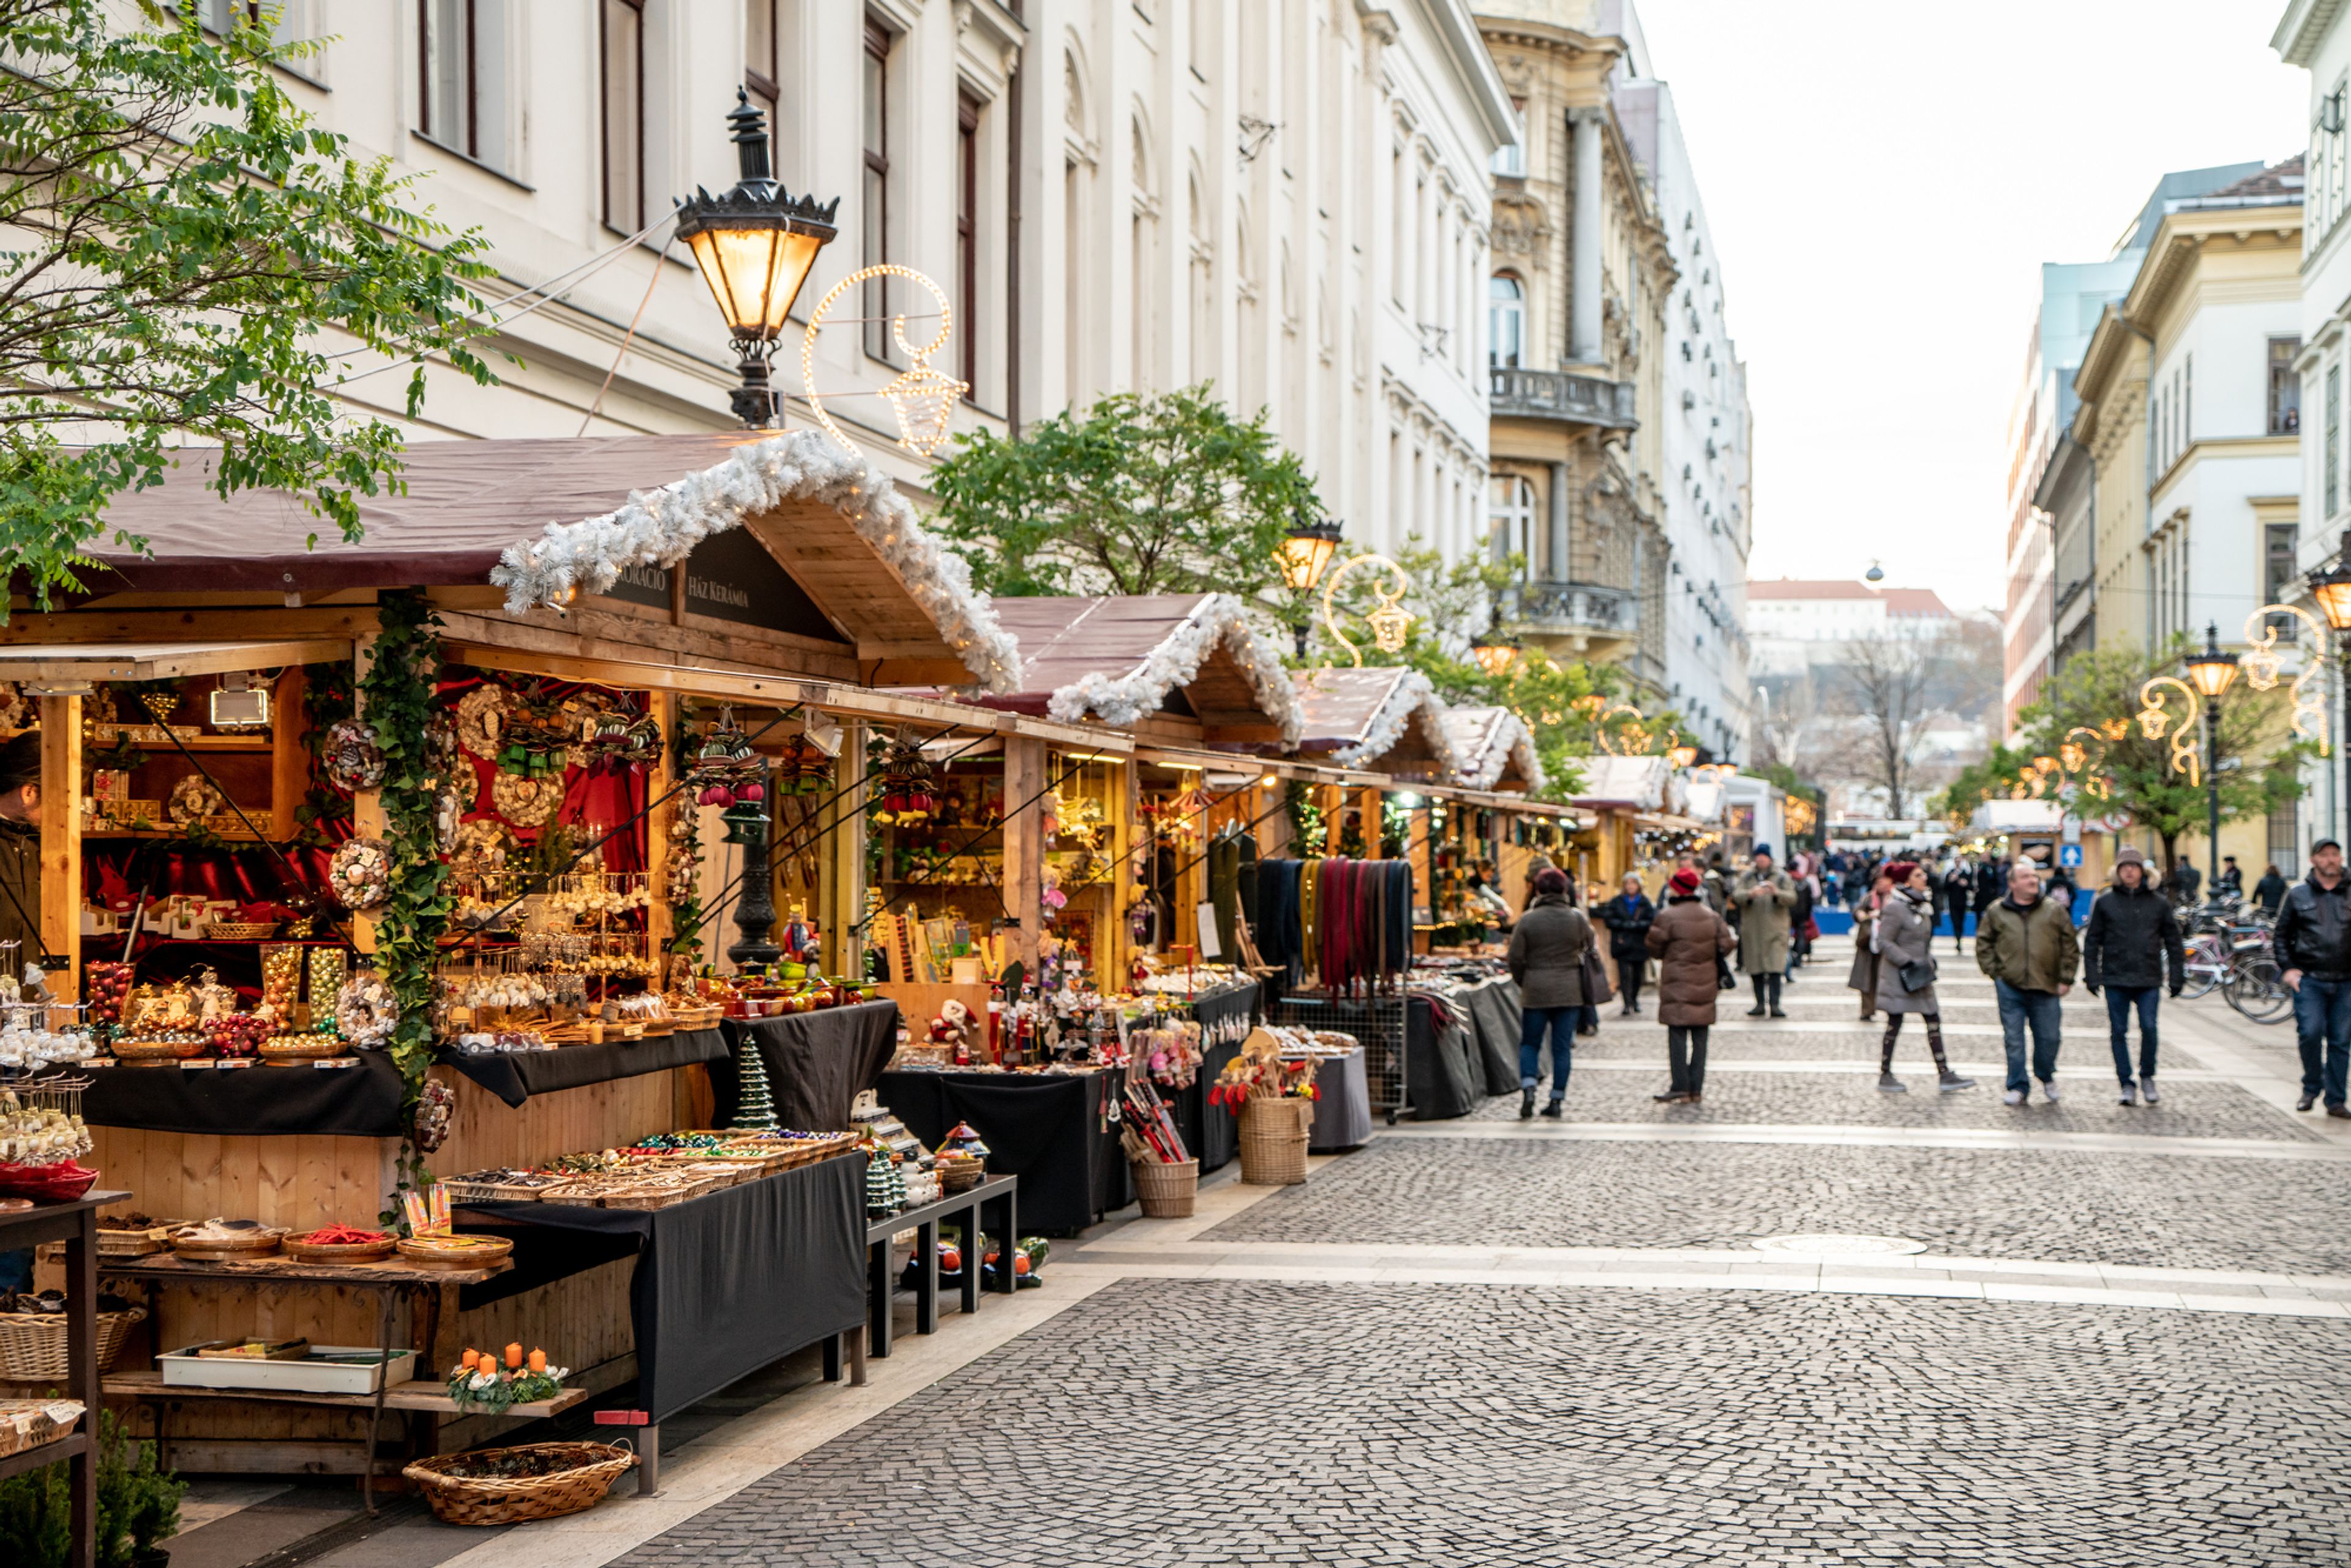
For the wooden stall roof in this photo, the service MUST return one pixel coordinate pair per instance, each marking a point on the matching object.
(1385, 715)
(1288, 767)
(548, 519)
(55, 665)
(1628, 783)
(1121, 658)
(1496, 748)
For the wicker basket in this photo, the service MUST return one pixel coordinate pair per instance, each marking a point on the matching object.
(27, 1423)
(33, 1344)
(461, 1499)
(1273, 1141)
(1167, 1191)
(241, 930)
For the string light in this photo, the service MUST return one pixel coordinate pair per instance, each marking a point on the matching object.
(1390, 622)
(2154, 720)
(923, 399)
(2259, 663)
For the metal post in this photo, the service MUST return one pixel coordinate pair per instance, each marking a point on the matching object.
(2212, 796)
(2343, 740)
(1302, 629)
(755, 907)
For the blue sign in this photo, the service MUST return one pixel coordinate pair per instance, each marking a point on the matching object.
(2069, 855)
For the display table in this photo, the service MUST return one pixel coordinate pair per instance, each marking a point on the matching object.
(1000, 1193)
(76, 1225)
(1495, 1012)
(818, 1062)
(725, 1283)
(1211, 1132)
(1052, 1130)
(1343, 1113)
(361, 1101)
(1442, 1072)
(514, 1076)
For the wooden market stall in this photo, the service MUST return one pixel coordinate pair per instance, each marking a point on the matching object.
(525, 668)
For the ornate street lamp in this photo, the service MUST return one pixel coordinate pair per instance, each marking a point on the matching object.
(2330, 589)
(2210, 672)
(755, 245)
(1495, 654)
(1305, 550)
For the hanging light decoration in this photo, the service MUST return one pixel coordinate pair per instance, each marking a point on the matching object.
(2260, 664)
(1495, 654)
(1389, 621)
(2156, 722)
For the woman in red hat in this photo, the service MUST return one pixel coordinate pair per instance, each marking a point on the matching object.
(1688, 940)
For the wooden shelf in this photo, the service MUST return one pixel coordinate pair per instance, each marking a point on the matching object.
(49, 1453)
(258, 745)
(416, 1395)
(232, 835)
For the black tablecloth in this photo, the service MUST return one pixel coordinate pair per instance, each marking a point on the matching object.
(725, 1284)
(1494, 1010)
(514, 1076)
(1045, 1128)
(1211, 1131)
(1440, 1076)
(1343, 1105)
(362, 1101)
(817, 1063)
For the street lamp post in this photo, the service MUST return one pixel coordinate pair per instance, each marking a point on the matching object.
(2210, 673)
(755, 245)
(1495, 654)
(2331, 588)
(1306, 550)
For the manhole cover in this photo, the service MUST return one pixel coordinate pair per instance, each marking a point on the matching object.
(1835, 1246)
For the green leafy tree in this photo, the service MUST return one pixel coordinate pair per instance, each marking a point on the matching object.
(180, 234)
(1992, 778)
(2256, 762)
(1168, 493)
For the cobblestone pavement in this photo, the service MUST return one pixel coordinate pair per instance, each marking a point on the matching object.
(1182, 1423)
(2150, 1209)
(1804, 1098)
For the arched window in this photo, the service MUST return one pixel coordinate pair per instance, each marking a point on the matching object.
(1506, 320)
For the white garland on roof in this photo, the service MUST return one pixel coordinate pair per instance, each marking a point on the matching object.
(1507, 740)
(1409, 698)
(1218, 619)
(660, 527)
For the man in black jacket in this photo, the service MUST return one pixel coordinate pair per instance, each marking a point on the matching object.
(1958, 891)
(2314, 943)
(2132, 939)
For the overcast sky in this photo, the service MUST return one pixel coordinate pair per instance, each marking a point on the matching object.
(1884, 181)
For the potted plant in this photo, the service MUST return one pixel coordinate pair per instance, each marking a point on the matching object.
(137, 1506)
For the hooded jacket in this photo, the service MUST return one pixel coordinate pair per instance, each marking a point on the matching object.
(2131, 935)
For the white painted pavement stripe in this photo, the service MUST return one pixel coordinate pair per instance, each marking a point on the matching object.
(1717, 1063)
(1873, 1137)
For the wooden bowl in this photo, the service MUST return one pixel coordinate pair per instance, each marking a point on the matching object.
(480, 1252)
(134, 1049)
(341, 1251)
(260, 1244)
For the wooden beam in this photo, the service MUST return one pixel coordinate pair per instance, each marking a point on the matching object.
(196, 624)
(149, 661)
(842, 904)
(61, 836)
(660, 919)
(367, 805)
(289, 760)
(1024, 842)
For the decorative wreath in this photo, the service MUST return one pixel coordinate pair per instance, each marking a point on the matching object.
(482, 720)
(192, 799)
(482, 847)
(366, 1011)
(444, 758)
(436, 1104)
(526, 802)
(360, 876)
(16, 708)
(353, 757)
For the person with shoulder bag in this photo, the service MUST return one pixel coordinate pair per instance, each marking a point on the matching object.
(1903, 936)
(1547, 949)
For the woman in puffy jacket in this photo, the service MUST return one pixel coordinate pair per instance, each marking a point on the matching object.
(1688, 940)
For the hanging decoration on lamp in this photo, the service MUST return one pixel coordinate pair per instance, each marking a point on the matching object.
(2156, 722)
(1389, 621)
(1633, 737)
(923, 399)
(2082, 755)
(2259, 663)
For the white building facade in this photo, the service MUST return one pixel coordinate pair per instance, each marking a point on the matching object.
(1287, 201)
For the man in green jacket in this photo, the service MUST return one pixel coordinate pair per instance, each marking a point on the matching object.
(2025, 943)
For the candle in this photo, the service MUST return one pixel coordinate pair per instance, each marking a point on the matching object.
(514, 1355)
(467, 1360)
(539, 1360)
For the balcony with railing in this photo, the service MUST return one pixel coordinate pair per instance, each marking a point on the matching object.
(1563, 395)
(1586, 619)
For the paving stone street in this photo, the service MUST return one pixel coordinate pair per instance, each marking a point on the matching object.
(2099, 1335)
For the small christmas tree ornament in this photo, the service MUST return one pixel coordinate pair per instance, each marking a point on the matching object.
(754, 1110)
(886, 1185)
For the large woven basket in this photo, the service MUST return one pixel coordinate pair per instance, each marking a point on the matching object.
(33, 1344)
(463, 1500)
(1273, 1141)
(1167, 1191)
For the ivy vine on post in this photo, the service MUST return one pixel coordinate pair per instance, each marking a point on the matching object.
(399, 688)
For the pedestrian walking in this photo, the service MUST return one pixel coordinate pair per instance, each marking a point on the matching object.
(1546, 960)
(1903, 937)
(1688, 939)
(1984, 887)
(1863, 976)
(2026, 945)
(2230, 883)
(1535, 868)
(1800, 926)
(2059, 889)
(1627, 916)
(1764, 898)
(2270, 891)
(2131, 941)
(1958, 889)
(2314, 943)
(2185, 880)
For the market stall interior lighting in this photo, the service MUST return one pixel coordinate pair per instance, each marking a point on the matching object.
(2332, 589)
(755, 245)
(1495, 655)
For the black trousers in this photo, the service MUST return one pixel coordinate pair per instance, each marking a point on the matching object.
(1629, 980)
(1766, 986)
(1686, 1058)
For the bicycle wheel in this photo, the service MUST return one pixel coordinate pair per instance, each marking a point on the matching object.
(2255, 987)
(2206, 964)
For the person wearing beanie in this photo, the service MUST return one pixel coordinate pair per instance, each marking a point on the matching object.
(2132, 940)
(1903, 937)
(1766, 901)
(1688, 940)
(1546, 960)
